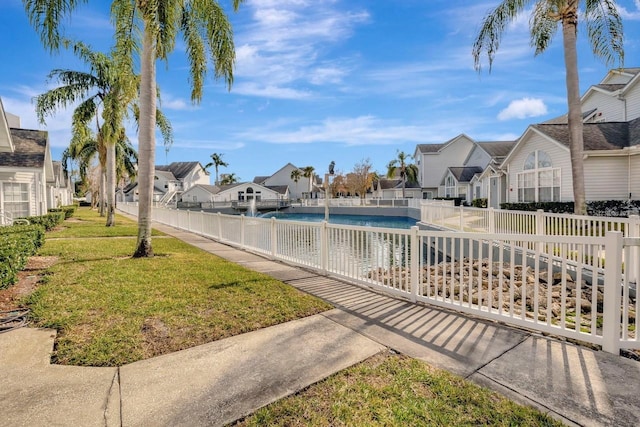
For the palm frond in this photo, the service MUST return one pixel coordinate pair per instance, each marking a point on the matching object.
(605, 31)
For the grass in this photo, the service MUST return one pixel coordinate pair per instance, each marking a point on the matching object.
(389, 390)
(111, 309)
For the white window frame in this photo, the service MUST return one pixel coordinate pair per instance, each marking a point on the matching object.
(535, 173)
(3, 198)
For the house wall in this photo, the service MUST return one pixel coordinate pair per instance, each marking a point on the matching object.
(478, 157)
(283, 177)
(633, 102)
(197, 194)
(434, 165)
(231, 194)
(35, 189)
(559, 156)
(606, 178)
(197, 176)
(634, 166)
(611, 107)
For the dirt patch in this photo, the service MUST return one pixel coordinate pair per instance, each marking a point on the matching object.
(26, 283)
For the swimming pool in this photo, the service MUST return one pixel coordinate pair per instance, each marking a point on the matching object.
(362, 220)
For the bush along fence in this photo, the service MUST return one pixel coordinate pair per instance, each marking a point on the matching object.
(579, 287)
(17, 244)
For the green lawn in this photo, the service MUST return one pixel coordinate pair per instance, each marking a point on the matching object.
(111, 309)
(394, 390)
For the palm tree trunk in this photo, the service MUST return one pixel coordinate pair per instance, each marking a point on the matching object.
(111, 185)
(576, 137)
(103, 180)
(146, 143)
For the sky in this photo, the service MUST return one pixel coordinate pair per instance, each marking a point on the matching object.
(326, 80)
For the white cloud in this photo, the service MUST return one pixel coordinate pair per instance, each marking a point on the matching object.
(284, 44)
(632, 15)
(523, 108)
(357, 131)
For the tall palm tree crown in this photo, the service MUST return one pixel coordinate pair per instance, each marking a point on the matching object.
(408, 171)
(207, 35)
(605, 35)
(216, 162)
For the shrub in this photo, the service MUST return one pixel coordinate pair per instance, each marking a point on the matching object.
(49, 220)
(610, 208)
(17, 244)
(479, 203)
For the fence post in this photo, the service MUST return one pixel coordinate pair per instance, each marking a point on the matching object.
(324, 248)
(634, 231)
(540, 231)
(612, 287)
(274, 239)
(242, 223)
(461, 218)
(492, 219)
(414, 263)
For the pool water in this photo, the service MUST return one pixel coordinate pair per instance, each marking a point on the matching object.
(361, 220)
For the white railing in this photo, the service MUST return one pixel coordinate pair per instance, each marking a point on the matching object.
(554, 284)
(5, 218)
(378, 203)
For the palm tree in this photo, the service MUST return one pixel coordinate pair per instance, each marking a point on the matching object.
(105, 91)
(408, 171)
(296, 174)
(230, 178)
(307, 172)
(216, 163)
(604, 30)
(207, 34)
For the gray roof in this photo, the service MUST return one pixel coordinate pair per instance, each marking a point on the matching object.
(610, 87)
(282, 189)
(465, 174)
(430, 148)
(497, 149)
(213, 189)
(260, 179)
(165, 174)
(179, 169)
(29, 149)
(598, 136)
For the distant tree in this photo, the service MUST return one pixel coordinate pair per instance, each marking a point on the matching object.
(359, 181)
(307, 172)
(229, 178)
(338, 184)
(216, 162)
(408, 171)
(605, 34)
(296, 174)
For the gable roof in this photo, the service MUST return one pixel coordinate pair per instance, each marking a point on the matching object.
(282, 189)
(465, 173)
(597, 136)
(5, 135)
(30, 148)
(430, 148)
(497, 149)
(260, 179)
(179, 169)
(168, 175)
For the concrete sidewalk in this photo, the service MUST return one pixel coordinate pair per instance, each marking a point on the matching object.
(219, 382)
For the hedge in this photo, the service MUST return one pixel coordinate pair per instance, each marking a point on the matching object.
(610, 208)
(49, 220)
(17, 244)
(69, 211)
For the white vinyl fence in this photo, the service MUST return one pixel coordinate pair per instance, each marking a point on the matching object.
(572, 286)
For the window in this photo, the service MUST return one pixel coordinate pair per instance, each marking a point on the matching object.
(450, 187)
(539, 182)
(16, 199)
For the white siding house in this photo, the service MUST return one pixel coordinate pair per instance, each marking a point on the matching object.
(241, 192)
(539, 167)
(433, 160)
